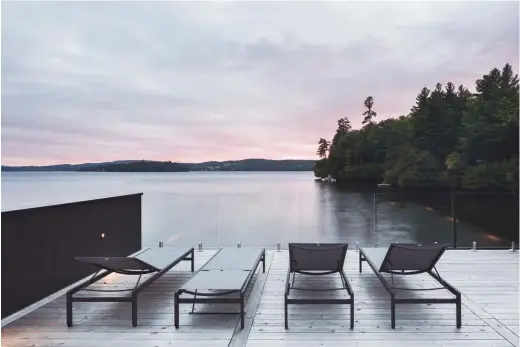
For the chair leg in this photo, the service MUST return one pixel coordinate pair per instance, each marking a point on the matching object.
(192, 261)
(360, 263)
(263, 262)
(352, 313)
(393, 311)
(194, 300)
(69, 310)
(134, 310)
(459, 311)
(176, 310)
(286, 315)
(241, 310)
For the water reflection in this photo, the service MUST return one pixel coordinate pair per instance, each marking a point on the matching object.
(325, 214)
(221, 209)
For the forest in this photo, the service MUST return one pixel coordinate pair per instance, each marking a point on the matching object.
(450, 138)
(139, 166)
(158, 166)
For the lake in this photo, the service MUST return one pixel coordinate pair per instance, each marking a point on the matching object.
(263, 208)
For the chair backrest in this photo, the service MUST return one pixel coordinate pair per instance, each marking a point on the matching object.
(117, 264)
(317, 257)
(414, 258)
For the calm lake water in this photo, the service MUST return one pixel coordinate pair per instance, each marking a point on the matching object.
(256, 208)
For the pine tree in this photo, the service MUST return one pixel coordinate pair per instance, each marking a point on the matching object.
(323, 147)
(369, 114)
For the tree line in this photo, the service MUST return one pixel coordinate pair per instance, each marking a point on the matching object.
(451, 138)
(139, 166)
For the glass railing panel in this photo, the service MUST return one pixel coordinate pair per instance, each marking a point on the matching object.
(337, 217)
(265, 219)
(180, 219)
(413, 217)
(257, 219)
(489, 219)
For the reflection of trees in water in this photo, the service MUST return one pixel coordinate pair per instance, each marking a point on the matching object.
(430, 216)
(345, 216)
(325, 214)
(349, 215)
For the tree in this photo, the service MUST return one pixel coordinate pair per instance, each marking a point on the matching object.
(369, 114)
(451, 136)
(491, 121)
(421, 100)
(508, 79)
(338, 147)
(323, 147)
(344, 125)
(321, 168)
(412, 167)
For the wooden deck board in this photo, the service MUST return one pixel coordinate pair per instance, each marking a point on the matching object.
(488, 280)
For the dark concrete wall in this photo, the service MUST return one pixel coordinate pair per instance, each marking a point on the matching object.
(39, 245)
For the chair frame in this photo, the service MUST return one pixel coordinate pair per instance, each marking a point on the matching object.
(346, 285)
(216, 298)
(391, 289)
(189, 255)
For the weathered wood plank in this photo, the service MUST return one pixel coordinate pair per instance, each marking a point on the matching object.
(371, 343)
(369, 329)
(130, 335)
(388, 336)
(32, 342)
(369, 322)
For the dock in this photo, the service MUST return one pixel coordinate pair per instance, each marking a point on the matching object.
(487, 279)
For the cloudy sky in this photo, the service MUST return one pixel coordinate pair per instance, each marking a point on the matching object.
(197, 81)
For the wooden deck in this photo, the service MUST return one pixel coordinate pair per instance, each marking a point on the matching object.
(488, 280)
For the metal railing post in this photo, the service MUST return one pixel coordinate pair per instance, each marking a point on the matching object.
(454, 217)
(376, 240)
(219, 205)
(298, 217)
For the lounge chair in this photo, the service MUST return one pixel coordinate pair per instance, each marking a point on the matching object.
(317, 259)
(157, 261)
(229, 271)
(409, 259)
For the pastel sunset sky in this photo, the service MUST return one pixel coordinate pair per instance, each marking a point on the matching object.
(89, 82)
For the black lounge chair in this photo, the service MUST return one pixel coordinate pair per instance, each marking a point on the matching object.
(317, 259)
(157, 261)
(409, 259)
(229, 271)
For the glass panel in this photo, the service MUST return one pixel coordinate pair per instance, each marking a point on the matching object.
(257, 219)
(337, 216)
(413, 217)
(265, 219)
(180, 219)
(489, 219)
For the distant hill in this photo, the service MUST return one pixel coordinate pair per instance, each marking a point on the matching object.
(62, 167)
(255, 165)
(139, 166)
(156, 166)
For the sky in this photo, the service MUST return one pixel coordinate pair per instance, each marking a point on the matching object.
(198, 81)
